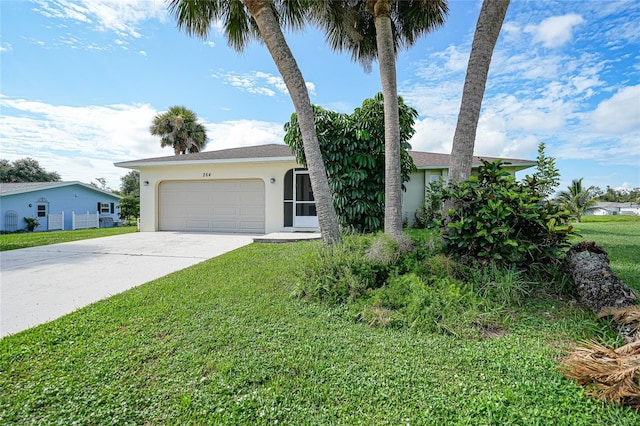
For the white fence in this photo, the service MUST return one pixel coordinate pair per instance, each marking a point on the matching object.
(56, 222)
(85, 221)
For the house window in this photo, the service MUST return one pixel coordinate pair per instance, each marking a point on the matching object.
(42, 210)
(105, 208)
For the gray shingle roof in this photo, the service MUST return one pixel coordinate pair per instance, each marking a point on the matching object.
(273, 151)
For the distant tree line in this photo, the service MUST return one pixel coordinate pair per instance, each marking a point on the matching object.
(25, 170)
(618, 195)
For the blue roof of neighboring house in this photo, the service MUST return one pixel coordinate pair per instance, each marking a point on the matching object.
(22, 187)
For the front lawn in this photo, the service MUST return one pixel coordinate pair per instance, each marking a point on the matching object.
(33, 239)
(223, 342)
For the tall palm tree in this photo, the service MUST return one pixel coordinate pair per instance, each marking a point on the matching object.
(488, 28)
(577, 199)
(377, 29)
(179, 128)
(261, 20)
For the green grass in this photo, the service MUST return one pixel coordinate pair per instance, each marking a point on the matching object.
(223, 342)
(616, 218)
(621, 240)
(34, 239)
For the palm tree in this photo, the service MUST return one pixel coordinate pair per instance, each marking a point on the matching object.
(488, 28)
(576, 199)
(371, 29)
(179, 128)
(261, 19)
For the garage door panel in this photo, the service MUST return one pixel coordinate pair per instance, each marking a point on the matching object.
(214, 206)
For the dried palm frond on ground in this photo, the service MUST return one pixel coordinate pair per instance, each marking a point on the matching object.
(609, 374)
(626, 321)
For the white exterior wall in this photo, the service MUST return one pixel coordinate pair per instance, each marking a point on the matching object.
(274, 192)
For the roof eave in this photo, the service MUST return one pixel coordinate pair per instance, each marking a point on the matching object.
(136, 165)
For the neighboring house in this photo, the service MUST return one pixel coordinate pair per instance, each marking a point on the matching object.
(54, 204)
(605, 208)
(258, 189)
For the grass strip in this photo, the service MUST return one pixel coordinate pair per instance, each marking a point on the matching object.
(34, 239)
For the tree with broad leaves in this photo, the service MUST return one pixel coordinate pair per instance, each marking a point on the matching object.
(377, 29)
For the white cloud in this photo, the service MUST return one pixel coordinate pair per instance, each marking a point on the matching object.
(210, 43)
(618, 114)
(5, 47)
(259, 82)
(554, 31)
(82, 143)
(142, 53)
(230, 134)
(120, 16)
(455, 60)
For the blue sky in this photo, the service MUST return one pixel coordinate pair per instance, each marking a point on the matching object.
(81, 81)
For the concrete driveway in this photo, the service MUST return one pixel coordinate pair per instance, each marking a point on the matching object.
(40, 284)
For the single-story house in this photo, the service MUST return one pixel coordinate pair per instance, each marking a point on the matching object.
(605, 208)
(257, 189)
(56, 205)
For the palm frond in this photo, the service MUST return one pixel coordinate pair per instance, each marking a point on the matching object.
(609, 374)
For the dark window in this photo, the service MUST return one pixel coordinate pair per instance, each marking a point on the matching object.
(105, 208)
(42, 210)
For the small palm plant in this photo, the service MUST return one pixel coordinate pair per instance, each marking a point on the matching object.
(577, 199)
(32, 223)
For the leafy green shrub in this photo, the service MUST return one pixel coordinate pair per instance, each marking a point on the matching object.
(497, 219)
(342, 273)
(353, 152)
(410, 301)
(430, 214)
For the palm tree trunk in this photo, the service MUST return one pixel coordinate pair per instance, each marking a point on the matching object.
(488, 28)
(286, 63)
(392, 170)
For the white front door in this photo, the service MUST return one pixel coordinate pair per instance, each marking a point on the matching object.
(304, 206)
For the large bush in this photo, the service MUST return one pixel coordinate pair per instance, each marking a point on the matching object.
(497, 219)
(353, 152)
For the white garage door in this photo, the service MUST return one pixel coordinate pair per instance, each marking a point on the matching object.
(214, 206)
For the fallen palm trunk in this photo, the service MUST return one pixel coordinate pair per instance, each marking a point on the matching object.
(608, 374)
(601, 291)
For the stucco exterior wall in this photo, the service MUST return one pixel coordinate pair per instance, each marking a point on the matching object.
(73, 198)
(152, 176)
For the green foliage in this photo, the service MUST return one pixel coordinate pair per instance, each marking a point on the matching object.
(179, 129)
(25, 170)
(618, 195)
(576, 199)
(430, 214)
(32, 223)
(547, 176)
(343, 273)
(130, 184)
(408, 300)
(353, 150)
(223, 343)
(129, 208)
(497, 219)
